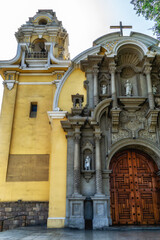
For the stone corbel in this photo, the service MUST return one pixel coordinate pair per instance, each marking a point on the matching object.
(9, 84)
(88, 174)
(152, 117)
(56, 82)
(115, 119)
(56, 115)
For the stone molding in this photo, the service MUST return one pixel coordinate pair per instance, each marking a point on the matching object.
(56, 115)
(9, 83)
(127, 142)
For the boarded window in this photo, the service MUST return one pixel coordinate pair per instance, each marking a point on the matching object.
(33, 110)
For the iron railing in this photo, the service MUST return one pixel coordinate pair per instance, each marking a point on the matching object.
(36, 55)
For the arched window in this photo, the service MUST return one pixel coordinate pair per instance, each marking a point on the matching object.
(42, 22)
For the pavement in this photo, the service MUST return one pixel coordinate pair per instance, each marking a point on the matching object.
(117, 233)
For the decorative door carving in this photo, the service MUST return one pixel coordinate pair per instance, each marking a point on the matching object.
(134, 189)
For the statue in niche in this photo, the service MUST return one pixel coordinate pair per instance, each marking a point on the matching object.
(128, 87)
(87, 163)
(154, 89)
(104, 89)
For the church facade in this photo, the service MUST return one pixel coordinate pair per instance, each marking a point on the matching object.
(80, 139)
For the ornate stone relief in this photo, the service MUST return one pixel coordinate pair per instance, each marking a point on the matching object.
(110, 45)
(147, 135)
(120, 135)
(134, 125)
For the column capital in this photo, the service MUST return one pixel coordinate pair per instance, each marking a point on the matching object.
(97, 133)
(95, 70)
(147, 68)
(77, 134)
(112, 67)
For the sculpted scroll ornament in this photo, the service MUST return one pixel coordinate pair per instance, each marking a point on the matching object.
(120, 135)
(147, 135)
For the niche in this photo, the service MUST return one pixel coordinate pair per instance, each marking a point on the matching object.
(87, 160)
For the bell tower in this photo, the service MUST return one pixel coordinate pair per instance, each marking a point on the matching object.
(43, 39)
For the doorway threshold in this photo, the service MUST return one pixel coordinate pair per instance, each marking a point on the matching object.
(132, 227)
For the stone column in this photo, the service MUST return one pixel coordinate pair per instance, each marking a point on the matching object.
(112, 68)
(147, 71)
(100, 201)
(77, 177)
(95, 79)
(98, 162)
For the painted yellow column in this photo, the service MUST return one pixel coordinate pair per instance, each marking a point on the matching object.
(57, 178)
(6, 121)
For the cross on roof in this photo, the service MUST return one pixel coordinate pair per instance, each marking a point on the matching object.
(121, 28)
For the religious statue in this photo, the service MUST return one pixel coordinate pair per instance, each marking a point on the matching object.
(87, 163)
(103, 89)
(154, 89)
(128, 87)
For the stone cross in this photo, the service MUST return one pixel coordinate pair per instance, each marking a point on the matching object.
(121, 28)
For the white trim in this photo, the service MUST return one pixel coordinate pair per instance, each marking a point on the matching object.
(42, 74)
(75, 61)
(35, 83)
(56, 114)
(131, 41)
(10, 81)
(55, 60)
(15, 59)
(58, 90)
(56, 218)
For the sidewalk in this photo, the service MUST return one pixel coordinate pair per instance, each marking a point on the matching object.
(42, 233)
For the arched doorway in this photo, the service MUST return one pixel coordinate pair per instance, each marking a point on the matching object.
(134, 189)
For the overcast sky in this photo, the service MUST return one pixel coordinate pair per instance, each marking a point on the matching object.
(84, 20)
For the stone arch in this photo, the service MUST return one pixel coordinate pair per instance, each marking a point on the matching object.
(140, 144)
(38, 45)
(134, 44)
(100, 108)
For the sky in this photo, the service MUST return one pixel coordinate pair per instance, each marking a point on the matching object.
(84, 20)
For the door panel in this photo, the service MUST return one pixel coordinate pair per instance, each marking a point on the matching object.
(134, 189)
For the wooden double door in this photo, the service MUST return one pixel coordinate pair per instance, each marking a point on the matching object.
(134, 189)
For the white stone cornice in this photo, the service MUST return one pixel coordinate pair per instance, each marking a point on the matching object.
(35, 83)
(56, 114)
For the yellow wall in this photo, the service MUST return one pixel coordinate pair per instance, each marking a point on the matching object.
(72, 86)
(25, 135)
(36, 136)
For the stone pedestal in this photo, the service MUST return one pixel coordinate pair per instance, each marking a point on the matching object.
(76, 212)
(100, 214)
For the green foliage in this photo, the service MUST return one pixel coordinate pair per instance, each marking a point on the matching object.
(150, 9)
